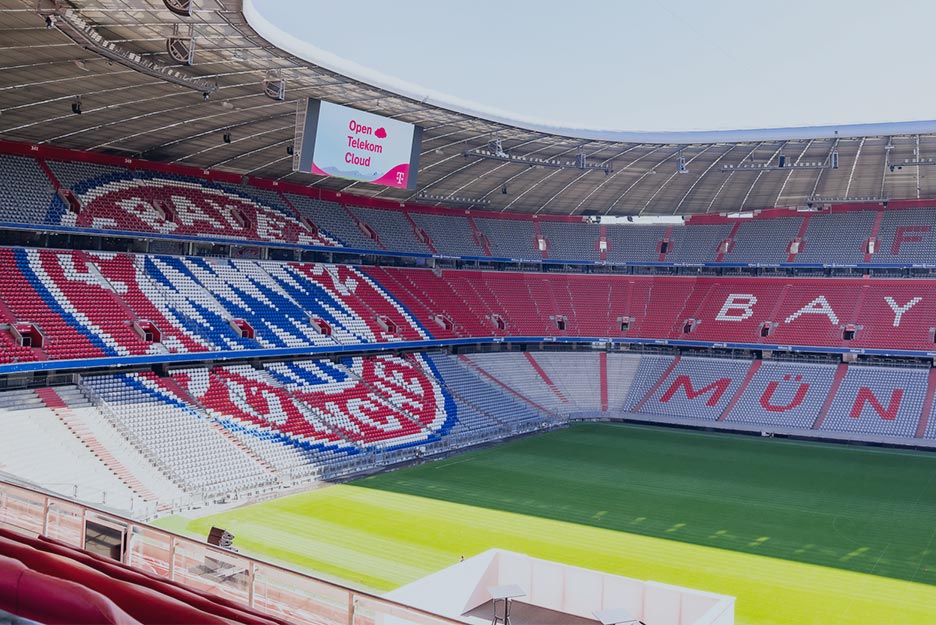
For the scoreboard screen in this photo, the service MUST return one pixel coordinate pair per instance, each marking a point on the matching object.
(347, 143)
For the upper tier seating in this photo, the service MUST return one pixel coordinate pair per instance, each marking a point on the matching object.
(571, 241)
(266, 197)
(837, 239)
(764, 240)
(148, 200)
(170, 204)
(907, 236)
(26, 193)
(332, 218)
(393, 229)
(635, 243)
(696, 244)
(509, 238)
(450, 235)
(76, 175)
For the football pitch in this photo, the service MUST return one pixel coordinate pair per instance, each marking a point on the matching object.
(800, 532)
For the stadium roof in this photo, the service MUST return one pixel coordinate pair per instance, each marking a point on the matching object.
(160, 114)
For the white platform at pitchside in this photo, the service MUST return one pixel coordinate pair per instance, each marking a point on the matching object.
(554, 591)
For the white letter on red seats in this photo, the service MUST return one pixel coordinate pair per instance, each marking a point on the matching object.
(819, 306)
(900, 310)
(743, 302)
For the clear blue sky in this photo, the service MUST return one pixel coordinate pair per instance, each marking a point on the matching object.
(645, 65)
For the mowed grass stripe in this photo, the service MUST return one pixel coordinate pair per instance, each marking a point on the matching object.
(397, 550)
(616, 499)
(811, 502)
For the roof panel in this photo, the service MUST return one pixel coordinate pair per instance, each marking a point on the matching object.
(127, 111)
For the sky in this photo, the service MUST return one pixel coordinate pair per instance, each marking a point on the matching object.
(649, 65)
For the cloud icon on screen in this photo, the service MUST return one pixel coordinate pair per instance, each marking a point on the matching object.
(380, 133)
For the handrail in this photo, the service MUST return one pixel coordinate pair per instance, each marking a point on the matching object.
(374, 349)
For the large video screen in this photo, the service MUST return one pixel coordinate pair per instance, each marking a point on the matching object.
(348, 143)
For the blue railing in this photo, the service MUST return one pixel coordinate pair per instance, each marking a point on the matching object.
(382, 348)
(53, 229)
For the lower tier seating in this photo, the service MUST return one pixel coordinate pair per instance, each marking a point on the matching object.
(38, 447)
(200, 433)
(873, 402)
(200, 455)
(141, 443)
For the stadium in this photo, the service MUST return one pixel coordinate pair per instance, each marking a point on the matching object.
(282, 341)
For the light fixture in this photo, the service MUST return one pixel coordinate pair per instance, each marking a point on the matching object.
(227, 137)
(76, 28)
(76, 105)
(289, 150)
(181, 45)
(274, 87)
(179, 7)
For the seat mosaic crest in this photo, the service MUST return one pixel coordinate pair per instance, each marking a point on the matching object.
(181, 206)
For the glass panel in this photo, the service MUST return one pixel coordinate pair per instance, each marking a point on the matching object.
(64, 522)
(149, 550)
(373, 611)
(292, 597)
(22, 509)
(211, 570)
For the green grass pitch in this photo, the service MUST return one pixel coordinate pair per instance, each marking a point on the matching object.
(801, 533)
